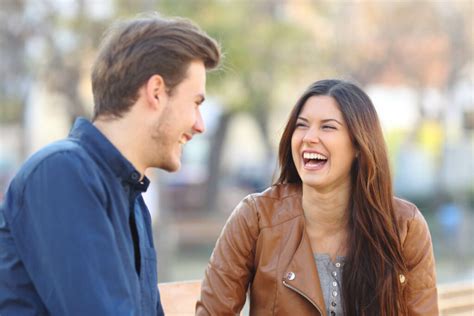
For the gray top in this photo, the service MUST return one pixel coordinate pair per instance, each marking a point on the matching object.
(330, 276)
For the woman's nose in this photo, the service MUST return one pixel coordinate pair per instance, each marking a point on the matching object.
(311, 136)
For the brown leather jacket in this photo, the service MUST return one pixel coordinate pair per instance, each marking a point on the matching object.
(264, 239)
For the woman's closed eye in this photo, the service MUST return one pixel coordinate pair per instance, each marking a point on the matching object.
(328, 127)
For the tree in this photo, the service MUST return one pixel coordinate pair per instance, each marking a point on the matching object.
(263, 52)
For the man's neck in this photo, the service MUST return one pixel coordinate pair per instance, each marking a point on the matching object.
(124, 137)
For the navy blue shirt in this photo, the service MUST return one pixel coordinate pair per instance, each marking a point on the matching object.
(75, 233)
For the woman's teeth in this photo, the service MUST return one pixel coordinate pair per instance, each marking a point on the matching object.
(317, 156)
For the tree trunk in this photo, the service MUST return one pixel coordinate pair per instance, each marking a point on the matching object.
(213, 167)
(262, 115)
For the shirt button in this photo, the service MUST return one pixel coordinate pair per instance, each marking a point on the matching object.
(334, 273)
(334, 283)
(338, 264)
(334, 293)
(291, 276)
(135, 176)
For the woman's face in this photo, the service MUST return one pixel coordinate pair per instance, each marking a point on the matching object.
(322, 149)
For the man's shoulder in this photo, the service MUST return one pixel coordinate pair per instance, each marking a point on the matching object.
(64, 158)
(55, 155)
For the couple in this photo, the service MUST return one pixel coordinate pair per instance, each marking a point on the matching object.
(327, 239)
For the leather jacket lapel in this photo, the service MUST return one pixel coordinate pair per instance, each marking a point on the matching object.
(301, 275)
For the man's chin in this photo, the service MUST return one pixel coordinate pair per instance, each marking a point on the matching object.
(171, 167)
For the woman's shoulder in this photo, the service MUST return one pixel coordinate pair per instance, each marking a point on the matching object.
(279, 192)
(405, 210)
(409, 219)
(275, 205)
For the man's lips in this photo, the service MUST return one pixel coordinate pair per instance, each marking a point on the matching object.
(186, 138)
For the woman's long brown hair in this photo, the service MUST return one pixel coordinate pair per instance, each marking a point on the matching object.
(370, 282)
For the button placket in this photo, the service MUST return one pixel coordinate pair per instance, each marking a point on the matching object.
(335, 270)
(135, 176)
(331, 275)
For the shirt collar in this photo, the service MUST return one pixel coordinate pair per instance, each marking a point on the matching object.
(104, 152)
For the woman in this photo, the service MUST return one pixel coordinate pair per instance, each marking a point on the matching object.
(328, 238)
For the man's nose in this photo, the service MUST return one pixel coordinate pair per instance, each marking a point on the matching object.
(199, 127)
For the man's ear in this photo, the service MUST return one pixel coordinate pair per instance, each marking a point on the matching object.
(155, 90)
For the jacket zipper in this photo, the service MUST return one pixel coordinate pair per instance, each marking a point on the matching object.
(304, 295)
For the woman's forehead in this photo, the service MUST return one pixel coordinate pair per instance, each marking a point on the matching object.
(322, 107)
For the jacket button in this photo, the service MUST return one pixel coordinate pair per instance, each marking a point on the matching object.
(402, 278)
(291, 276)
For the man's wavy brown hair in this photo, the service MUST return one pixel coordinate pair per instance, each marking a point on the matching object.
(134, 50)
(370, 280)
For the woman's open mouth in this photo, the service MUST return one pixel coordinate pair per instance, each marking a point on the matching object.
(314, 161)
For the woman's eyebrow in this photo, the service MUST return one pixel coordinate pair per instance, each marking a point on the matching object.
(332, 120)
(302, 119)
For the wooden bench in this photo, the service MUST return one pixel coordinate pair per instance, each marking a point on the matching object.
(179, 298)
(456, 298)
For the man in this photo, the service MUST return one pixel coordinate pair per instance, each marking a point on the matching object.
(75, 234)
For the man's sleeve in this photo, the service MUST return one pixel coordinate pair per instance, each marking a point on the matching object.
(66, 240)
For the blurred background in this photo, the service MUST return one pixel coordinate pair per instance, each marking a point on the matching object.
(414, 58)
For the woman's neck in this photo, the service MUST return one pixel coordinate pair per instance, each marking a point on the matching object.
(326, 211)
